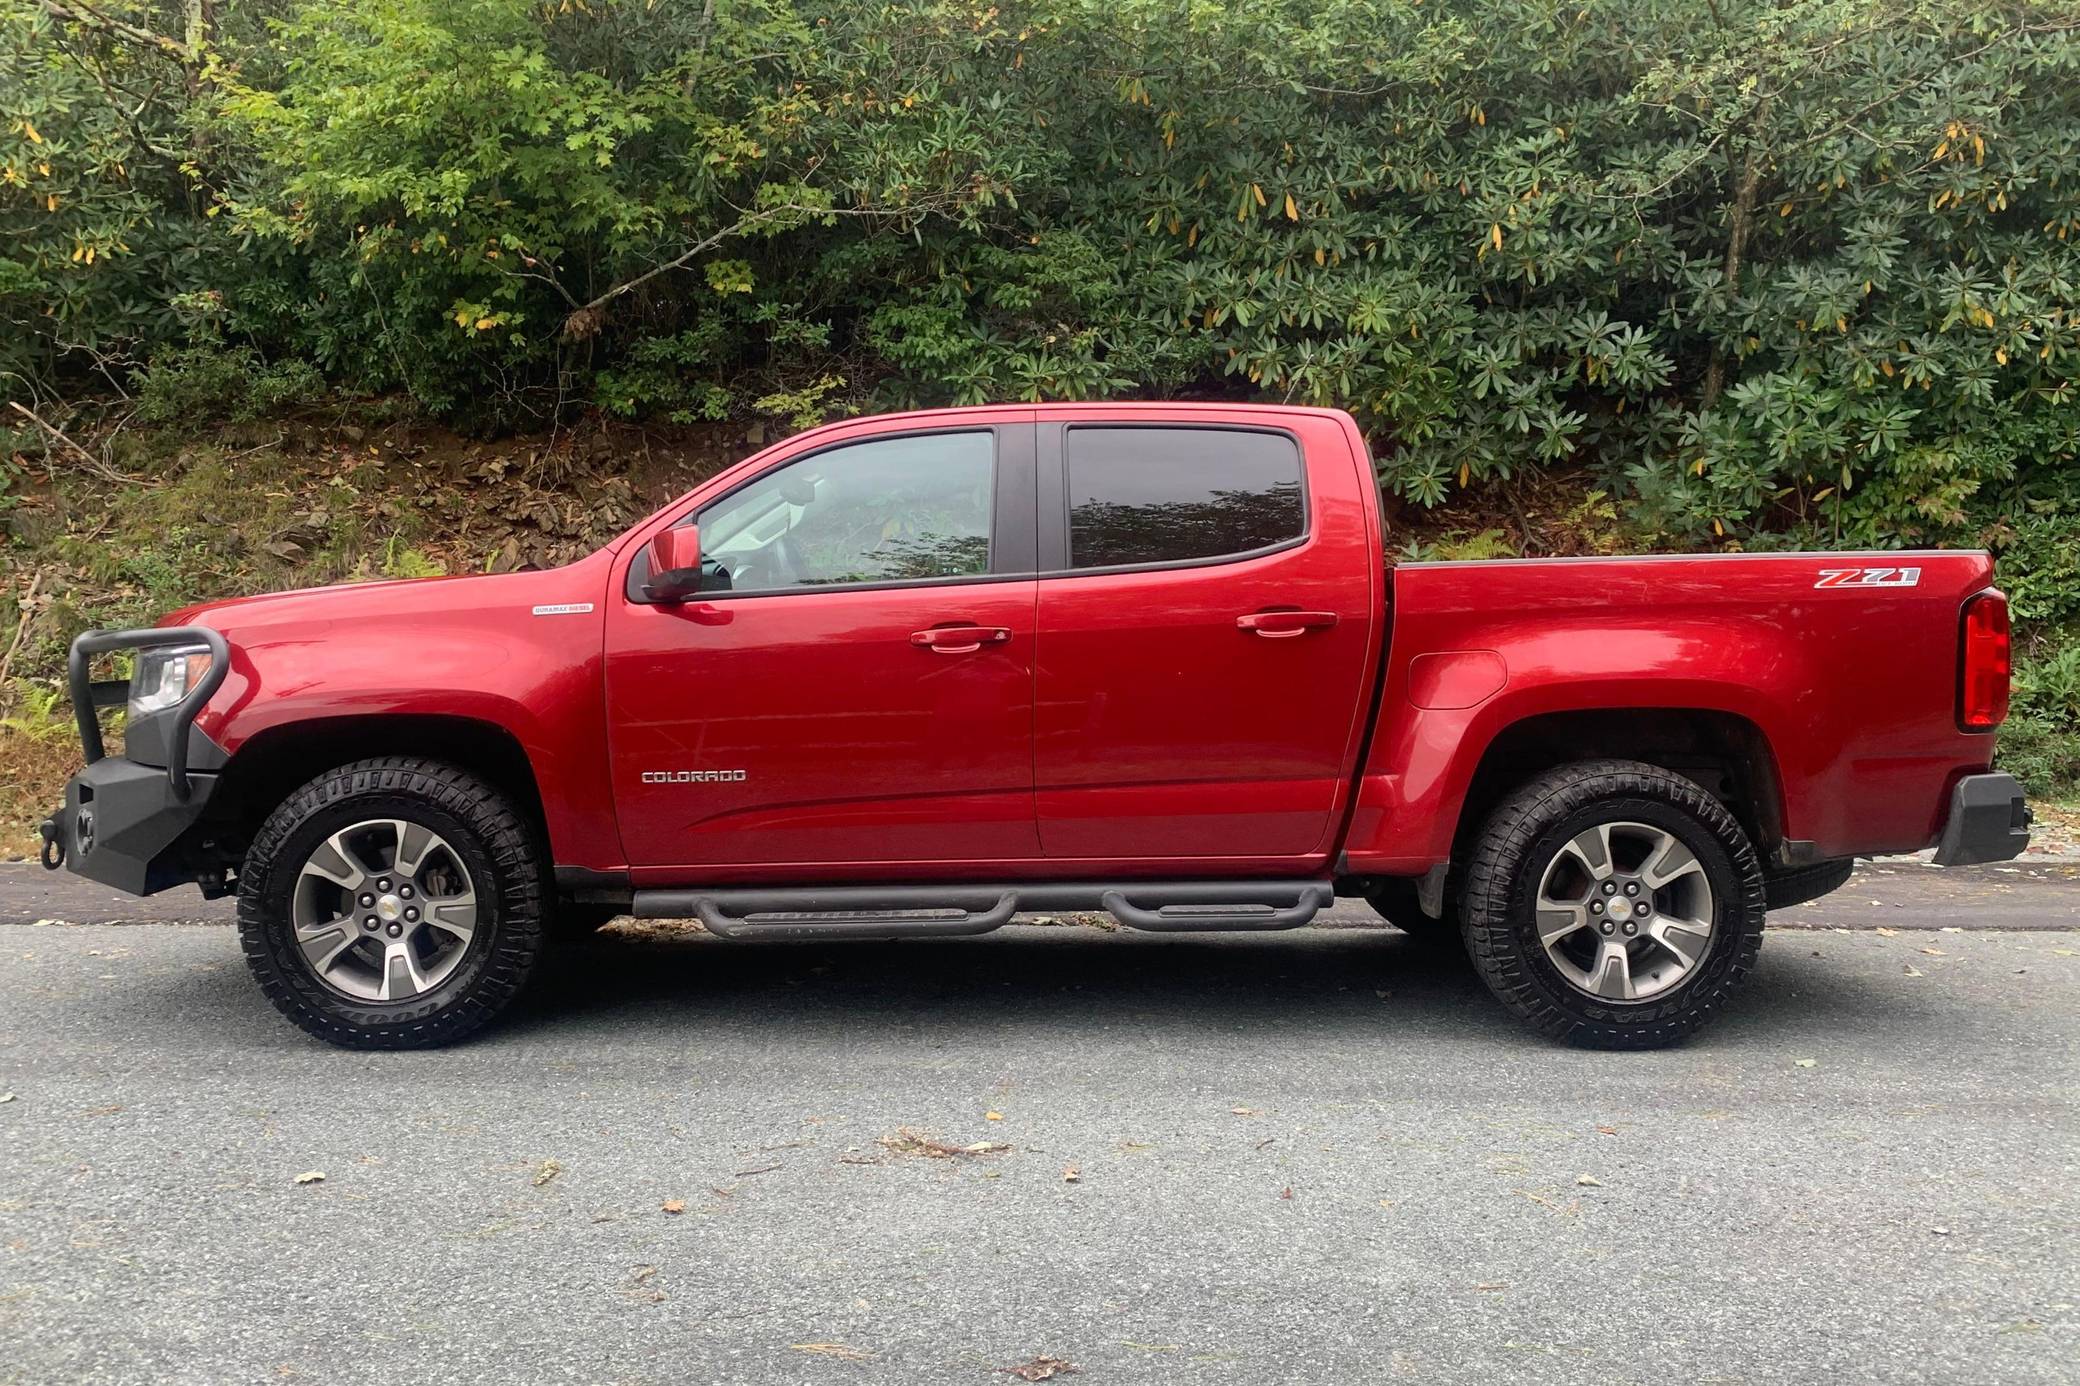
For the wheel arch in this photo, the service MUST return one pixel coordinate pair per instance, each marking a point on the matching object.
(269, 766)
(1726, 753)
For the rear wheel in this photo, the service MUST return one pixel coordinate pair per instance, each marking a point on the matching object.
(1613, 905)
(391, 904)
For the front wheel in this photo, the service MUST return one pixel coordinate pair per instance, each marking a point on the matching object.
(1613, 905)
(394, 903)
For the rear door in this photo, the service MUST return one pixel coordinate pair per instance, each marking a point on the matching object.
(858, 700)
(1205, 613)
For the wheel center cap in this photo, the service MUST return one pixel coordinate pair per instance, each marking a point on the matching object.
(389, 909)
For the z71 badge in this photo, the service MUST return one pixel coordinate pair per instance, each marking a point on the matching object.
(1869, 577)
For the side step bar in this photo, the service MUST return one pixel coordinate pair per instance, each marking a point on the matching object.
(925, 911)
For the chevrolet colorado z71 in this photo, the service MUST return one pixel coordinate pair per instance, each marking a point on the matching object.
(906, 676)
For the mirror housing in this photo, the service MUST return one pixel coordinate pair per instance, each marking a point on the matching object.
(675, 565)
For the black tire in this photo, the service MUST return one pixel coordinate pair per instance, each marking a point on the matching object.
(493, 843)
(1803, 883)
(1523, 835)
(1394, 900)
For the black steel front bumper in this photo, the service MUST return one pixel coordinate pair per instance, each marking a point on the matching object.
(1989, 821)
(122, 818)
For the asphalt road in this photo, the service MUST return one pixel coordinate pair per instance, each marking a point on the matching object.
(1316, 1157)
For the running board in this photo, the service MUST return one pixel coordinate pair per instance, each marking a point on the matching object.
(926, 911)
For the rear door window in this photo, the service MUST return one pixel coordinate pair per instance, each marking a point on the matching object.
(1142, 496)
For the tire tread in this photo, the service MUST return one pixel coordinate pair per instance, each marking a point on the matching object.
(1494, 874)
(516, 857)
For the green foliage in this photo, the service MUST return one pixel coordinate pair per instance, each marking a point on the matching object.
(2040, 742)
(400, 560)
(39, 709)
(1774, 271)
(212, 379)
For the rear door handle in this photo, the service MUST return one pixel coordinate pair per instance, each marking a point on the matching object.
(1283, 625)
(959, 639)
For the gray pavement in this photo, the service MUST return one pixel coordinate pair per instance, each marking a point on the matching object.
(1324, 1156)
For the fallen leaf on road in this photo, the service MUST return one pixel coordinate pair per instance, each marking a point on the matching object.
(311, 1176)
(1952, 929)
(992, 1116)
(2056, 952)
(1493, 1285)
(1608, 1130)
(1286, 1192)
(549, 1170)
(674, 1206)
(1246, 1111)
(1071, 1175)
(1939, 1231)
(6, 1097)
(1935, 952)
(908, 1142)
(1807, 1063)
(1040, 1369)
(838, 1350)
(1913, 971)
(1588, 1181)
(641, 1273)
(1884, 932)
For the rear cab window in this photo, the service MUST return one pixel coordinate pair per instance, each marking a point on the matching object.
(1154, 496)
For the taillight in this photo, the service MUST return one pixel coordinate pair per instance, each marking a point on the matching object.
(1983, 663)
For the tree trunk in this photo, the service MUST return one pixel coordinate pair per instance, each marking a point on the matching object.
(1740, 221)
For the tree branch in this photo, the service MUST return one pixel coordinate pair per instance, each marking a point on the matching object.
(79, 12)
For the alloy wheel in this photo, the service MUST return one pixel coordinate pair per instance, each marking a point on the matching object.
(1625, 912)
(384, 910)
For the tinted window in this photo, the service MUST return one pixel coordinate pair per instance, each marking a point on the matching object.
(1167, 495)
(891, 510)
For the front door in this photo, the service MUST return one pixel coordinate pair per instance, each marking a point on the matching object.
(859, 697)
(1204, 639)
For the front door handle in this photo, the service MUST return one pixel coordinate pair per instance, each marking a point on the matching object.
(1283, 625)
(959, 639)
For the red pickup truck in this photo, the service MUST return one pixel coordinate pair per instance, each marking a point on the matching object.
(907, 676)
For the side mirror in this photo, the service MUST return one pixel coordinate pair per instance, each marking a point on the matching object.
(675, 565)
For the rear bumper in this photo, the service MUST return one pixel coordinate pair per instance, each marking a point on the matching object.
(1988, 821)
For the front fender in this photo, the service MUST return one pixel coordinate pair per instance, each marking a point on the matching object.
(520, 652)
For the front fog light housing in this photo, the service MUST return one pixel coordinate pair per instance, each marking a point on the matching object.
(163, 677)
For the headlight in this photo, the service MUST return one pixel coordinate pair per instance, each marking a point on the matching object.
(163, 677)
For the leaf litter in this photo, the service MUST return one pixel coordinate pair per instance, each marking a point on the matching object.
(1041, 1369)
(842, 1351)
(911, 1142)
